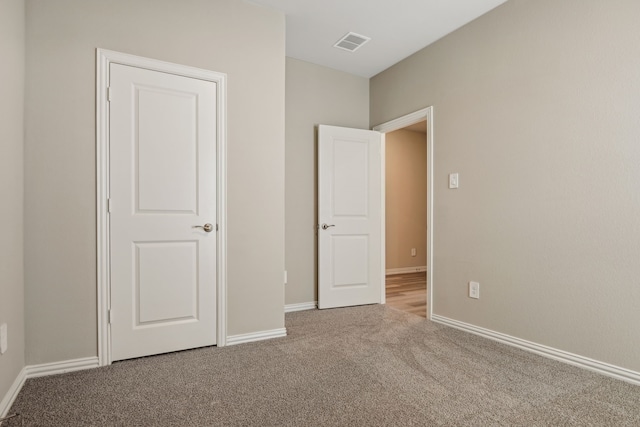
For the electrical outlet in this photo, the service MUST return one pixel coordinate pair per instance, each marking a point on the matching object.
(3, 338)
(413, 251)
(474, 290)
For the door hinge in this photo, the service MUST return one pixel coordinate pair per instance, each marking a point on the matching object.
(216, 227)
(109, 94)
(109, 316)
(109, 205)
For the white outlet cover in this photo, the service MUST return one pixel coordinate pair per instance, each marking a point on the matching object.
(3, 338)
(474, 290)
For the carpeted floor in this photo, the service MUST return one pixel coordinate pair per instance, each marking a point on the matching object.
(362, 366)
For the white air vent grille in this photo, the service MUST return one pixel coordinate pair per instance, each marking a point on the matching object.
(351, 42)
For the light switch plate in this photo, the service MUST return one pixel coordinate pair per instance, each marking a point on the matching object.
(453, 180)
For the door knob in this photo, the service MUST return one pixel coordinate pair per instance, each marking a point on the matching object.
(207, 227)
(325, 226)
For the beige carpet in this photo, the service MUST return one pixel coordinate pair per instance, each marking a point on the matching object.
(362, 366)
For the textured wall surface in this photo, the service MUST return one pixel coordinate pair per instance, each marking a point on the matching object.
(536, 106)
(406, 199)
(314, 95)
(229, 36)
(12, 48)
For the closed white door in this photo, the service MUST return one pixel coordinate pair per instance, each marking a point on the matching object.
(349, 216)
(162, 150)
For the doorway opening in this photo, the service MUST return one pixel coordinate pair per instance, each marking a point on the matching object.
(407, 149)
(406, 218)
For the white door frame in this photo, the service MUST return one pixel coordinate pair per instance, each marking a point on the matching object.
(396, 124)
(103, 59)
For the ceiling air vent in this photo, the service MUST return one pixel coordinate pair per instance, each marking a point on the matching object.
(351, 42)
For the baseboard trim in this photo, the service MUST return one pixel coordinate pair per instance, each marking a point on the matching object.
(12, 393)
(290, 308)
(543, 350)
(405, 270)
(45, 369)
(256, 336)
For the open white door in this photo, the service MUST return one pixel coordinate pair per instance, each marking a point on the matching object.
(162, 212)
(349, 216)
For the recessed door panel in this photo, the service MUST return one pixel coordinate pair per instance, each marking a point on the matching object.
(167, 282)
(351, 176)
(350, 258)
(166, 141)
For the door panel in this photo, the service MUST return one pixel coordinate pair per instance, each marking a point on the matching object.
(350, 261)
(166, 291)
(167, 172)
(350, 178)
(350, 204)
(162, 184)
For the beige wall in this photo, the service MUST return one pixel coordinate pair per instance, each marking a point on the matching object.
(314, 95)
(537, 107)
(12, 51)
(406, 198)
(229, 36)
(12, 48)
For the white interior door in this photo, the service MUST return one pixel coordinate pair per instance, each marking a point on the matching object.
(162, 154)
(350, 217)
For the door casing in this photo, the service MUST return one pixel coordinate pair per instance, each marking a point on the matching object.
(396, 124)
(103, 59)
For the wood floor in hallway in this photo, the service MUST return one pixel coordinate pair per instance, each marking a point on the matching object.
(408, 292)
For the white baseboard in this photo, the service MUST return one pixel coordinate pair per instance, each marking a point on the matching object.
(289, 308)
(550, 352)
(256, 336)
(33, 371)
(63, 367)
(405, 270)
(11, 395)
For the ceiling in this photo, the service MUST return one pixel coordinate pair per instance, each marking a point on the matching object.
(397, 28)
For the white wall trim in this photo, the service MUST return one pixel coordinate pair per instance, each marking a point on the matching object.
(256, 336)
(543, 350)
(103, 59)
(45, 369)
(12, 393)
(405, 270)
(399, 123)
(290, 308)
(55, 368)
(404, 121)
(102, 194)
(383, 217)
